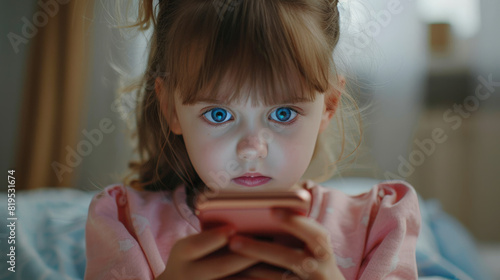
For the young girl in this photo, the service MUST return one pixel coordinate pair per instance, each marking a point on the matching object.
(238, 95)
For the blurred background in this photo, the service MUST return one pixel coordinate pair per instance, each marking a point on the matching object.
(430, 71)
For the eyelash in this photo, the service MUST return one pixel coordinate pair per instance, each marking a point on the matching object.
(298, 113)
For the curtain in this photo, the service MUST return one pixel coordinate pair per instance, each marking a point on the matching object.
(54, 94)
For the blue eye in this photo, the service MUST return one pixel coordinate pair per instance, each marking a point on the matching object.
(217, 115)
(283, 114)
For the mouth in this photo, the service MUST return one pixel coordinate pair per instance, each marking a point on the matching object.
(251, 179)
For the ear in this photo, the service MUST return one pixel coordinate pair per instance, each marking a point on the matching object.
(172, 119)
(332, 99)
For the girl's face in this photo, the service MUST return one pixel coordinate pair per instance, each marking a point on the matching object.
(245, 147)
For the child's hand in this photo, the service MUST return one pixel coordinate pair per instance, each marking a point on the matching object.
(188, 258)
(316, 262)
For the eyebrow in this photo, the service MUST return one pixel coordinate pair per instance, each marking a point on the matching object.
(208, 100)
(221, 102)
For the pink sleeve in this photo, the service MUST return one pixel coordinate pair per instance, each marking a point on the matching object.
(394, 224)
(112, 249)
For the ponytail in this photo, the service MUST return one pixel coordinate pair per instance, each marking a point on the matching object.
(146, 14)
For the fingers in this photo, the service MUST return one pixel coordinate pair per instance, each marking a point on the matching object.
(199, 245)
(317, 255)
(268, 272)
(222, 265)
(234, 277)
(270, 253)
(316, 237)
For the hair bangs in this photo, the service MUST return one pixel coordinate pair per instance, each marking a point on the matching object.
(266, 55)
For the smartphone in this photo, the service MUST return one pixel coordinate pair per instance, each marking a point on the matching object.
(250, 212)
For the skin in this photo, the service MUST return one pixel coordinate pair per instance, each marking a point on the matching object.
(252, 139)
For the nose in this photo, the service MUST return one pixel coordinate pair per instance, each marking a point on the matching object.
(251, 148)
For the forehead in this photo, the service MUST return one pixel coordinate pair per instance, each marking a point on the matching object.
(230, 90)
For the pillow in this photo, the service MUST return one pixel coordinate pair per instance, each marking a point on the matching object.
(49, 234)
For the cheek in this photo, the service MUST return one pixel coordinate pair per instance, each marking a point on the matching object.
(293, 153)
(207, 154)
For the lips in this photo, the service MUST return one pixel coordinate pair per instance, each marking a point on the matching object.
(251, 179)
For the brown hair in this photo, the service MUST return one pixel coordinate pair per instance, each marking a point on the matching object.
(277, 50)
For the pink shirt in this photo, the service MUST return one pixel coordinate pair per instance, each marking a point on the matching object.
(129, 233)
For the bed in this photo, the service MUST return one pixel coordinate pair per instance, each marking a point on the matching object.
(50, 237)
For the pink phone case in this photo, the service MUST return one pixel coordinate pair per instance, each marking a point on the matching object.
(250, 212)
